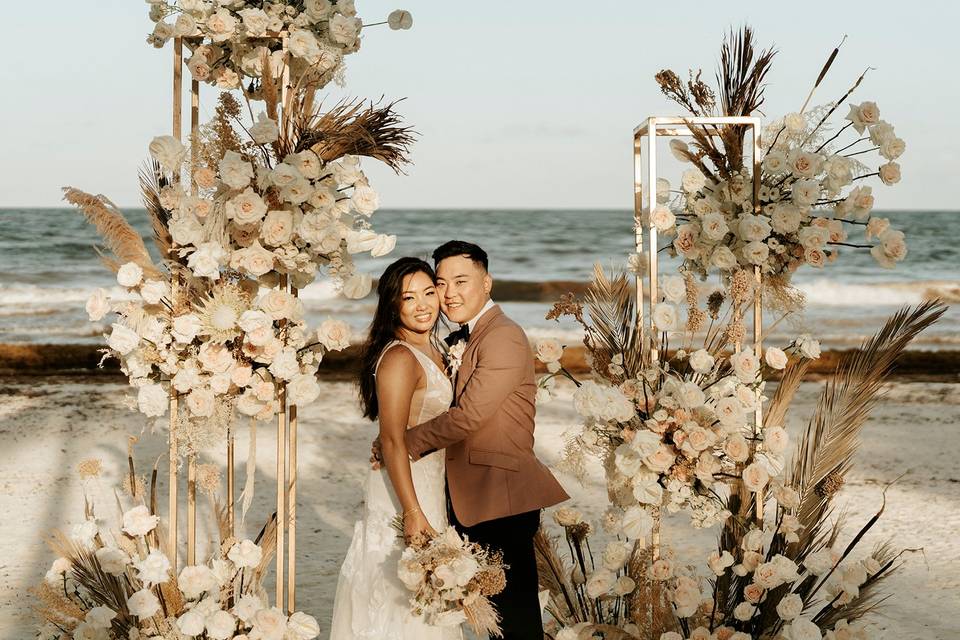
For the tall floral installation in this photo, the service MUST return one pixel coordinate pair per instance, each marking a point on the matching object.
(678, 411)
(244, 215)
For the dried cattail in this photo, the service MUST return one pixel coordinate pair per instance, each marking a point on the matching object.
(830, 485)
(90, 468)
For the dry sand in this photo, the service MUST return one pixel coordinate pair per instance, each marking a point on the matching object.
(47, 426)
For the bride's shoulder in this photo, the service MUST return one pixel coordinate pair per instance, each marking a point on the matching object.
(397, 360)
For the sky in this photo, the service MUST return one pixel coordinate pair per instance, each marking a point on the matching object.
(517, 105)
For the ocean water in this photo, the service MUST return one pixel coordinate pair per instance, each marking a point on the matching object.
(48, 268)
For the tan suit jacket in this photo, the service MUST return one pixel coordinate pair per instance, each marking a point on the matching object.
(492, 471)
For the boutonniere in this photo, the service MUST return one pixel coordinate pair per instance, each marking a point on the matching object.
(455, 356)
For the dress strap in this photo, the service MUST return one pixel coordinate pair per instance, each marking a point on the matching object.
(384, 352)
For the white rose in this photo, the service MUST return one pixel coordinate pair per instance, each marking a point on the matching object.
(303, 389)
(196, 580)
(636, 523)
(255, 21)
(280, 305)
(662, 218)
(892, 148)
(247, 607)
(186, 328)
(806, 192)
(736, 448)
(600, 583)
(745, 365)
(265, 130)
(169, 152)
(301, 626)
(673, 288)
(220, 625)
(143, 604)
(753, 228)
(775, 439)
(647, 488)
(344, 29)
(775, 358)
(201, 402)
(723, 258)
(152, 400)
(285, 174)
(285, 364)
(270, 623)
(297, 192)
(206, 260)
(701, 361)
(152, 569)
(744, 611)
(254, 260)
(549, 350)
(819, 562)
(122, 339)
(785, 218)
(756, 252)
(191, 623)
(153, 291)
(804, 164)
(775, 163)
(246, 208)
(714, 226)
(400, 19)
(100, 617)
(185, 25)
(221, 25)
(686, 597)
(384, 244)
(185, 229)
(665, 316)
(802, 629)
(129, 275)
(357, 286)
(277, 227)
(693, 180)
(97, 305)
(615, 555)
(365, 200)
(303, 44)
(790, 606)
(809, 348)
(890, 173)
(245, 553)
(235, 172)
(112, 561)
(138, 521)
(718, 562)
(755, 476)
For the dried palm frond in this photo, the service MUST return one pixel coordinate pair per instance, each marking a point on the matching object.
(120, 238)
(832, 435)
(562, 604)
(349, 128)
(267, 539)
(152, 181)
(776, 414)
(612, 328)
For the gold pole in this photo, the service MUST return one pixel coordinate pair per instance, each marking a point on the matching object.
(652, 266)
(192, 510)
(230, 477)
(292, 507)
(281, 477)
(172, 437)
(757, 302)
(638, 226)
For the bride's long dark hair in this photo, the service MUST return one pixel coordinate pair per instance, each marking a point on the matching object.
(385, 326)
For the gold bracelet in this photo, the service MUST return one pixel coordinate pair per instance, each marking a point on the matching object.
(406, 513)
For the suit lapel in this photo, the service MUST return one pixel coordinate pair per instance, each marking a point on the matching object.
(470, 355)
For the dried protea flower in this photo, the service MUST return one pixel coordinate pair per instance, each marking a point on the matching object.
(830, 485)
(714, 302)
(90, 468)
(208, 478)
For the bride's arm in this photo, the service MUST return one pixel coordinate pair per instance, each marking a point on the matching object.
(397, 379)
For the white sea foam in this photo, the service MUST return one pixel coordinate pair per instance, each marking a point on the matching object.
(829, 293)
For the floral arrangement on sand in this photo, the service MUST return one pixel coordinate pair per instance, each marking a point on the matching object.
(681, 419)
(115, 582)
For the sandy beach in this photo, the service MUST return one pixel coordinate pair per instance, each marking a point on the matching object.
(48, 425)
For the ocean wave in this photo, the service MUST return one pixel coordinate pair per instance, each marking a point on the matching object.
(830, 293)
(53, 297)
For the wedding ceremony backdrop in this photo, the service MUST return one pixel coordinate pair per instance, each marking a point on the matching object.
(257, 205)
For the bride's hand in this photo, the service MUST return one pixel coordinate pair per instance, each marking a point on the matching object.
(416, 528)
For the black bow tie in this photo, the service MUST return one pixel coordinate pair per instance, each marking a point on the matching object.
(463, 333)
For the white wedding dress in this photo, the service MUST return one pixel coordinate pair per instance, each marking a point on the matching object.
(371, 601)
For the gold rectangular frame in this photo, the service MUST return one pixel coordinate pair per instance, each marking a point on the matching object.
(286, 414)
(671, 127)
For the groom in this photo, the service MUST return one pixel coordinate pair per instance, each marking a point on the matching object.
(496, 485)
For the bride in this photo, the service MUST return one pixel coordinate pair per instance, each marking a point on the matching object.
(402, 383)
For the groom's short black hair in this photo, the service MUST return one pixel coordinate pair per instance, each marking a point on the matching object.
(460, 248)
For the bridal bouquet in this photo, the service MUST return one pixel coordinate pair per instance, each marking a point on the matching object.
(116, 582)
(452, 580)
(234, 41)
(813, 194)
